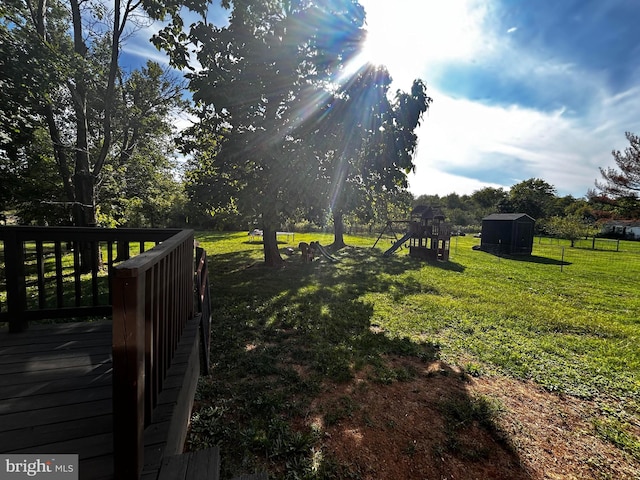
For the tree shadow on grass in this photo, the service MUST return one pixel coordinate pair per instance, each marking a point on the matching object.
(297, 344)
(536, 259)
(527, 258)
(356, 272)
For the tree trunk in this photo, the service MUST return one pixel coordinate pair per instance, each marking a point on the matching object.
(272, 256)
(84, 215)
(338, 230)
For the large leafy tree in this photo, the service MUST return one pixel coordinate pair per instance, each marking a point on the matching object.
(137, 185)
(24, 76)
(60, 71)
(487, 199)
(622, 184)
(371, 140)
(533, 196)
(82, 71)
(61, 76)
(261, 77)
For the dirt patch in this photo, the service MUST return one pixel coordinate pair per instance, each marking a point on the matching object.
(442, 424)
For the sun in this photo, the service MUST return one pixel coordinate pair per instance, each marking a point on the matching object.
(378, 48)
(409, 36)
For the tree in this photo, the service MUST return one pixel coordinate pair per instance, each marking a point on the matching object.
(262, 75)
(368, 141)
(24, 76)
(141, 192)
(137, 185)
(571, 227)
(623, 183)
(77, 44)
(583, 209)
(488, 198)
(533, 197)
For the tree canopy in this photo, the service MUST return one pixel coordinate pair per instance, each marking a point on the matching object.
(69, 114)
(269, 81)
(285, 126)
(533, 197)
(366, 142)
(571, 227)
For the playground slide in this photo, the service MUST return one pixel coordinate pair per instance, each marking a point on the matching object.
(326, 254)
(397, 245)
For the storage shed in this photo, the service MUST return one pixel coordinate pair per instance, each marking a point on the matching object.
(508, 233)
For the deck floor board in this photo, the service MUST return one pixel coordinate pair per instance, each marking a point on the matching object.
(56, 394)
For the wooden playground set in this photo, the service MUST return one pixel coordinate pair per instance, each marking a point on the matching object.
(427, 234)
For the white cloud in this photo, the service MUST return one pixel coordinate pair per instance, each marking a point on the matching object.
(430, 181)
(515, 143)
(467, 144)
(140, 47)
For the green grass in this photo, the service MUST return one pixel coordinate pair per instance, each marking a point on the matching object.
(279, 335)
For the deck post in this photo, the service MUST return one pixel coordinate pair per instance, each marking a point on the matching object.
(128, 374)
(16, 284)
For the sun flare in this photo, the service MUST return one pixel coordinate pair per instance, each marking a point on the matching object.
(409, 36)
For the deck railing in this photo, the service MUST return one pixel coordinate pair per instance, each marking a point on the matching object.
(153, 298)
(45, 275)
(150, 297)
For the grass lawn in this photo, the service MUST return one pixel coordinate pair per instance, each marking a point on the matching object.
(308, 352)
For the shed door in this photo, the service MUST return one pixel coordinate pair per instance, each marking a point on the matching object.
(525, 237)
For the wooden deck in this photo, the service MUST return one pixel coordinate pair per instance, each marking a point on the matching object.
(118, 393)
(56, 394)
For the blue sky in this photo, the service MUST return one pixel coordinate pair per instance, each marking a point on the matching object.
(521, 89)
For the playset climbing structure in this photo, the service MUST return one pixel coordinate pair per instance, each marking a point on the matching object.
(428, 235)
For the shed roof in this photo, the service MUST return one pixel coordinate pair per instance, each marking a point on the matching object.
(507, 217)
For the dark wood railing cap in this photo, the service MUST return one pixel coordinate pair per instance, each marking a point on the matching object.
(139, 264)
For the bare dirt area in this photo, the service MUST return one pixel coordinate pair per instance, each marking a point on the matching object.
(442, 424)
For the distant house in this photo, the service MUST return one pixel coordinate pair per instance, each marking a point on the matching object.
(625, 229)
(508, 233)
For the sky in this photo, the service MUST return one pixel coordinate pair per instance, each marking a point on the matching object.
(520, 89)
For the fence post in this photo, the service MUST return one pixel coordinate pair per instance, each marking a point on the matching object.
(562, 261)
(128, 374)
(15, 281)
